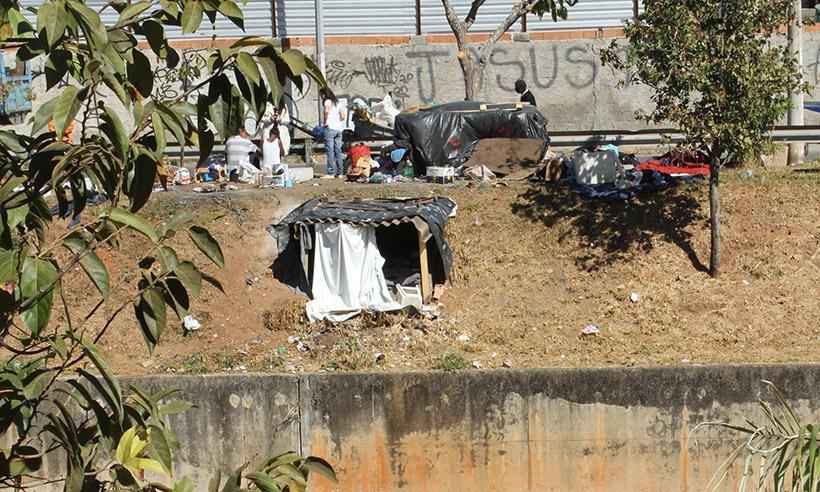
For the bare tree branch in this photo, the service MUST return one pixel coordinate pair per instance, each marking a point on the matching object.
(458, 27)
(468, 21)
(520, 9)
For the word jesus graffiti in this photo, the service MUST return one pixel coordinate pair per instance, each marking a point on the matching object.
(576, 66)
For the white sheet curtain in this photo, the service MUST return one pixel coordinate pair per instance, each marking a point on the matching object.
(347, 274)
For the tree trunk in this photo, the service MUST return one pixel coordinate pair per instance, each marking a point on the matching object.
(471, 75)
(714, 216)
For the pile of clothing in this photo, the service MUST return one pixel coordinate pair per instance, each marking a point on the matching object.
(392, 164)
(605, 173)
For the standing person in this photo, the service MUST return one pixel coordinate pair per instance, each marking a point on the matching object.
(272, 151)
(334, 124)
(239, 149)
(526, 95)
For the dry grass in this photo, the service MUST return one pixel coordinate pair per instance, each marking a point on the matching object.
(533, 266)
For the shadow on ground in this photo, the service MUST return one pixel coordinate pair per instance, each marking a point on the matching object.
(612, 231)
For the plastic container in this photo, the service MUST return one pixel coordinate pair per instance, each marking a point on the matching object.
(409, 171)
(409, 296)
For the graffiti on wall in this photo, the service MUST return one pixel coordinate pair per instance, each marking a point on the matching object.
(382, 73)
(576, 66)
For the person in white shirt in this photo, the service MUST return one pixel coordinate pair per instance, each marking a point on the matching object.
(239, 149)
(334, 124)
(272, 151)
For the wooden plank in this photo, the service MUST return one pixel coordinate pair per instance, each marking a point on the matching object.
(426, 281)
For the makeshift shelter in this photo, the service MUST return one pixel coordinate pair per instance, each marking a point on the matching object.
(445, 135)
(364, 254)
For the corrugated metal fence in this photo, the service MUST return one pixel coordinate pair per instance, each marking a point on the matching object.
(360, 17)
(258, 20)
(363, 17)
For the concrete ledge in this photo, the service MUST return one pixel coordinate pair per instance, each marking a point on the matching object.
(614, 430)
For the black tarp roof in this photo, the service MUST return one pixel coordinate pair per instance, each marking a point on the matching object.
(446, 135)
(293, 232)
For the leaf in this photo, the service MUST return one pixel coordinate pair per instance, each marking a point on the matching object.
(140, 74)
(159, 132)
(162, 451)
(206, 145)
(264, 482)
(145, 174)
(320, 466)
(43, 115)
(90, 21)
(132, 11)
(8, 265)
(151, 315)
(17, 215)
(272, 75)
(168, 258)
(37, 279)
(207, 244)
(126, 218)
(191, 16)
(27, 460)
(91, 263)
(190, 277)
(247, 65)
(179, 218)
(230, 10)
(296, 61)
(177, 297)
(213, 281)
(113, 390)
(117, 133)
(66, 108)
(34, 388)
(51, 20)
(116, 87)
(156, 37)
(56, 67)
(173, 122)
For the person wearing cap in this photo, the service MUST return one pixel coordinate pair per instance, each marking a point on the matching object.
(526, 95)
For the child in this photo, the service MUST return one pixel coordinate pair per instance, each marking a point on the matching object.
(272, 151)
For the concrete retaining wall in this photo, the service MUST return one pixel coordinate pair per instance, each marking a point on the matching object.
(614, 430)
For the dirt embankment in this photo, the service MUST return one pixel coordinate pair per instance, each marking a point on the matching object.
(534, 265)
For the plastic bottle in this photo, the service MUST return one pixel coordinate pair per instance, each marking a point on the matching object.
(409, 172)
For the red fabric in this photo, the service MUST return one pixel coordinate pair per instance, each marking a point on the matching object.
(661, 167)
(357, 152)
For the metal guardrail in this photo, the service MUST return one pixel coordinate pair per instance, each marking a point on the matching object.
(563, 139)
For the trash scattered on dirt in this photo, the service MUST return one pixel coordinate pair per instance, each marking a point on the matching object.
(634, 297)
(748, 173)
(590, 330)
(379, 358)
(479, 173)
(251, 280)
(476, 364)
(507, 364)
(463, 338)
(191, 324)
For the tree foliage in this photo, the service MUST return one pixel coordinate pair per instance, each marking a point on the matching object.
(472, 65)
(56, 393)
(718, 70)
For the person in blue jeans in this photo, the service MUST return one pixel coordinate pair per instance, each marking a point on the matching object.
(334, 125)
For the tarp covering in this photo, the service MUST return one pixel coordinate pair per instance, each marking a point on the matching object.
(347, 274)
(294, 234)
(446, 135)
